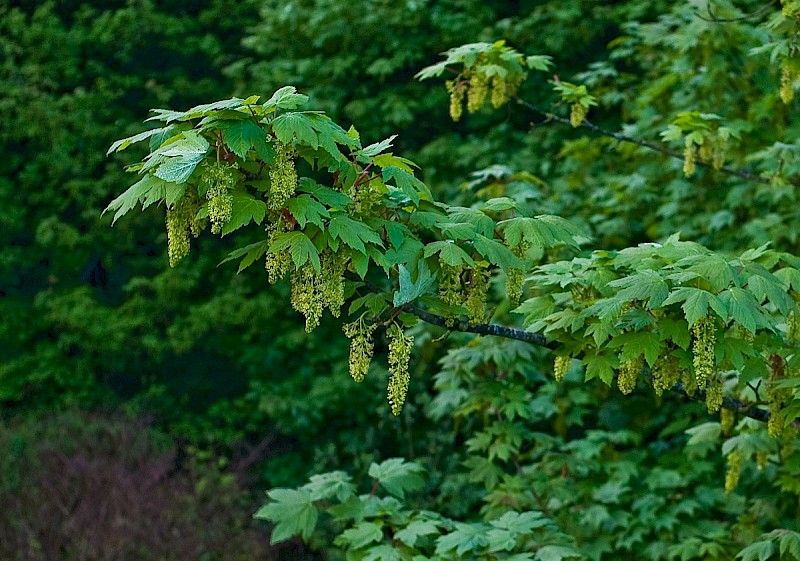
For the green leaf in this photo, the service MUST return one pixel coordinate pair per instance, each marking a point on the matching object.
(754, 368)
(389, 160)
(636, 343)
(352, 232)
(406, 253)
(305, 209)
(744, 443)
(706, 432)
(179, 168)
(383, 553)
(790, 277)
(120, 145)
(735, 350)
(170, 193)
(249, 254)
(595, 517)
(378, 147)
(360, 263)
(481, 223)
(416, 529)
(351, 509)
(330, 135)
(189, 143)
(610, 492)
(285, 98)
(327, 196)
(499, 204)
(497, 253)
(500, 540)
(770, 287)
(605, 309)
(300, 247)
(289, 126)
(135, 194)
(328, 485)
(412, 187)
(556, 553)
(790, 413)
(644, 285)
(599, 366)
(457, 230)
(241, 136)
(432, 70)
(411, 290)
(539, 62)
(696, 302)
(165, 135)
(542, 231)
(743, 308)
(219, 119)
(293, 513)
(520, 523)
(600, 331)
(636, 319)
(166, 115)
(448, 252)
(754, 254)
(429, 219)
(374, 302)
(714, 268)
(398, 476)
(209, 108)
(535, 309)
(790, 543)
(481, 469)
(676, 331)
(760, 551)
(398, 233)
(360, 535)
(246, 209)
(568, 320)
(465, 538)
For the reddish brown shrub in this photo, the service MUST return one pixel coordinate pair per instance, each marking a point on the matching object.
(81, 487)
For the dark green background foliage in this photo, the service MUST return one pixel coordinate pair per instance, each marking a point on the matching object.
(239, 398)
(90, 316)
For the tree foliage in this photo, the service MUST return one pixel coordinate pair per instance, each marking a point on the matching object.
(635, 193)
(555, 463)
(90, 318)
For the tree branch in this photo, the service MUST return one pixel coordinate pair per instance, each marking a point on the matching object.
(713, 18)
(735, 405)
(482, 328)
(661, 149)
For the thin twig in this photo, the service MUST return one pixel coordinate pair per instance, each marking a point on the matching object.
(740, 173)
(755, 389)
(713, 18)
(740, 407)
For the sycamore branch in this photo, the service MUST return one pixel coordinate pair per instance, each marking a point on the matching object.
(482, 328)
(660, 148)
(713, 18)
(735, 405)
(740, 407)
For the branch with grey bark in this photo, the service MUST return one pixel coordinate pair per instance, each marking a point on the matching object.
(735, 405)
